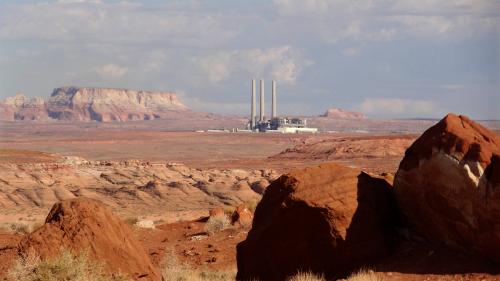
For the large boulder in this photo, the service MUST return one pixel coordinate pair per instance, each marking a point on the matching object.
(448, 185)
(84, 224)
(327, 219)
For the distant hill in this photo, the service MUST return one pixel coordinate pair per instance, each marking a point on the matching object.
(93, 104)
(342, 114)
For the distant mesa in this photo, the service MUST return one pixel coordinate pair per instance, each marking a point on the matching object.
(93, 104)
(342, 114)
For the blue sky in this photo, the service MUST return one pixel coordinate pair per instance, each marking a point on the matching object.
(385, 58)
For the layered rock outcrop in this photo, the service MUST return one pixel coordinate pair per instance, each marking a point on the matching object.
(328, 219)
(86, 225)
(448, 185)
(20, 107)
(102, 104)
(93, 104)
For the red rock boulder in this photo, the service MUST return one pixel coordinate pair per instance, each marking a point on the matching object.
(84, 224)
(242, 216)
(448, 186)
(328, 219)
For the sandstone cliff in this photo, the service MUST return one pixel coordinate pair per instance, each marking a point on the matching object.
(93, 104)
(20, 107)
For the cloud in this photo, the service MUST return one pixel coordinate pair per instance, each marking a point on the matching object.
(80, 21)
(399, 107)
(281, 63)
(362, 21)
(110, 70)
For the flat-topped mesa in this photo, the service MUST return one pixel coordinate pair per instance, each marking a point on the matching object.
(342, 114)
(106, 104)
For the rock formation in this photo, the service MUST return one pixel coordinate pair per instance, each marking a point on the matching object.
(104, 105)
(342, 114)
(328, 219)
(93, 104)
(86, 225)
(20, 107)
(242, 216)
(448, 185)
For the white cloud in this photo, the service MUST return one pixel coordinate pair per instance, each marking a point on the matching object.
(110, 70)
(282, 64)
(363, 21)
(399, 107)
(80, 21)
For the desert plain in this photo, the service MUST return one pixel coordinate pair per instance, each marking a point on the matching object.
(165, 183)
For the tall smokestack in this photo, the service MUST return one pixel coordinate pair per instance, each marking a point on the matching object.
(273, 113)
(252, 120)
(262, 108)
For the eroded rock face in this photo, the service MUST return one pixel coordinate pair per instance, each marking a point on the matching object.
(20, 107)
(104, 105)
(448, 185)
(328, 219)
(86, 225)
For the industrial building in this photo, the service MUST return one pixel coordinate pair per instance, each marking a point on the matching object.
(275, 124)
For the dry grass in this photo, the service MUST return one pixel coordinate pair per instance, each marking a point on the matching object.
(64, 267)
(131, 220)
(173, 270)
(216, 224)
(21, 227)
(252, 205)
(306, 276)
(364, 275)
(361, 275)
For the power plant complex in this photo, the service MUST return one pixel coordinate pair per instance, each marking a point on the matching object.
(275, 124)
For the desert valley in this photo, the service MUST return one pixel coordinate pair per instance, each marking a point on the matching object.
(152, 190)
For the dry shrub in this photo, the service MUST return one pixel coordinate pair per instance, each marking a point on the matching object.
(66, 266)
(361, 275)
(216, 224)
(131, 220)
(22, 228)
(252, 205)
(364, 275)
(306, 276)
(173, 270)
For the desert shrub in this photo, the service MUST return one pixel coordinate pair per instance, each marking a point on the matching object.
(252, 205)
(66, 266)
(364, 275)
(173, 270)
(306, 276)
(21, 228)
(131, 220)
(216, 224)
(228, 210)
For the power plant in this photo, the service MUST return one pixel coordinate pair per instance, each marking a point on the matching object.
(275, 124)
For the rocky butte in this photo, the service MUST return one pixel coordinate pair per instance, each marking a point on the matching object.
(93, 104)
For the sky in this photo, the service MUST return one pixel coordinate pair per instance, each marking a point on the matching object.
(385, 58)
